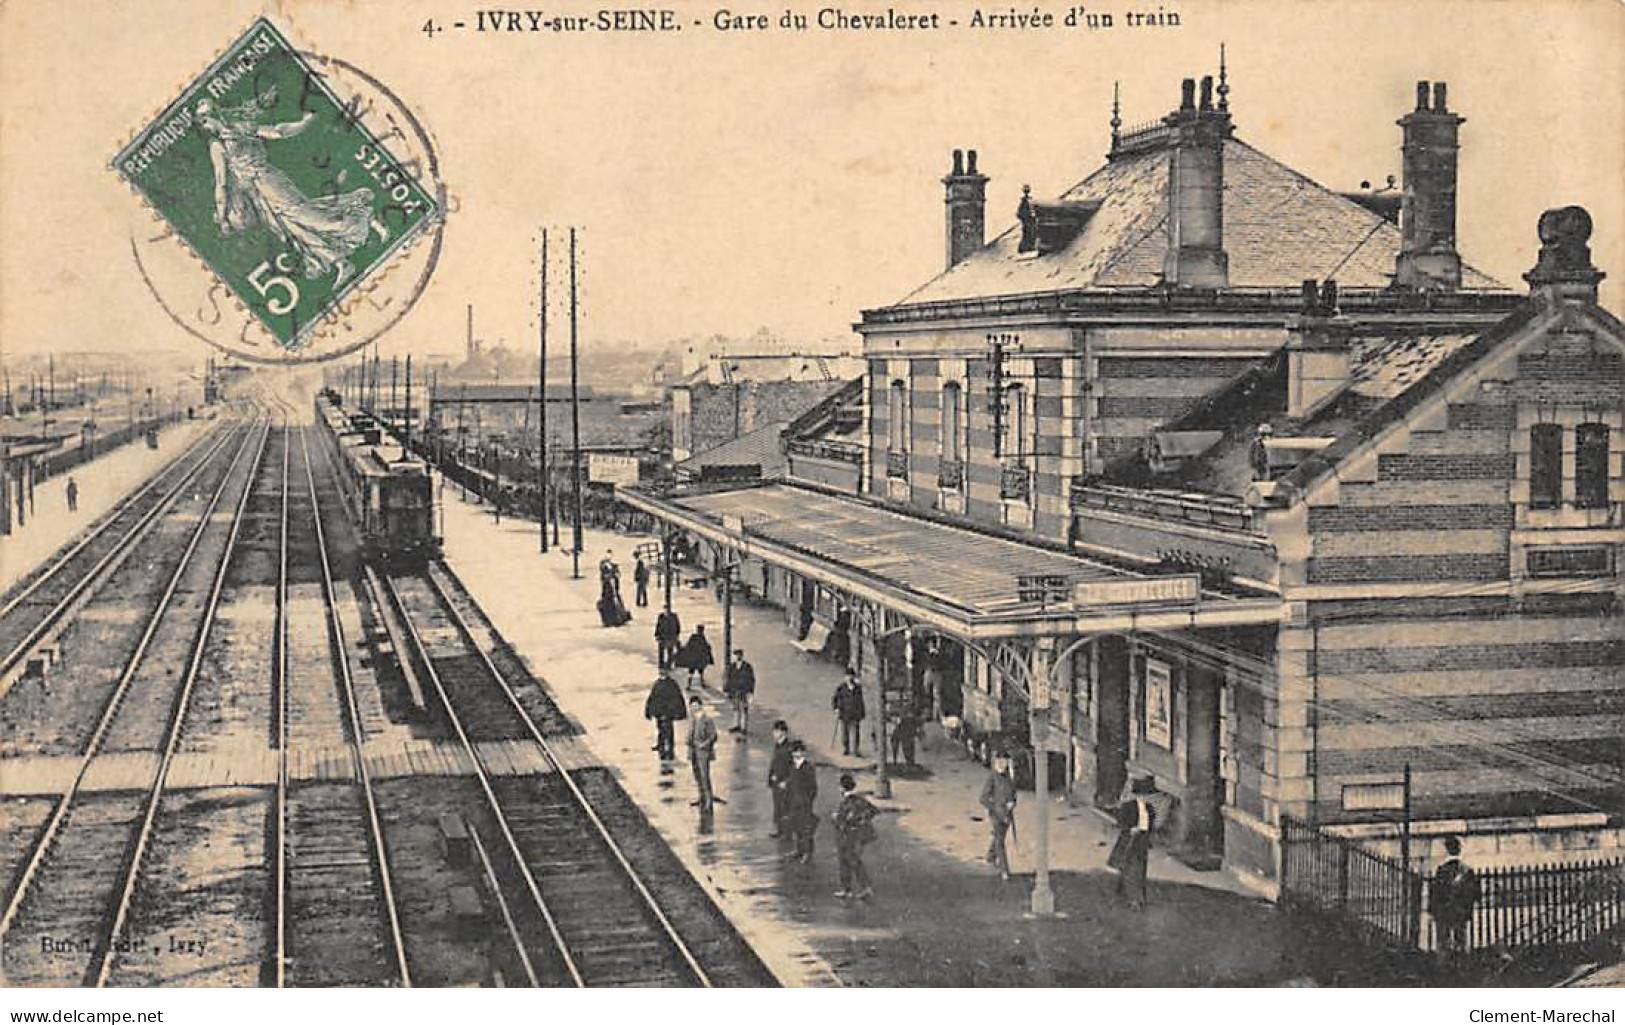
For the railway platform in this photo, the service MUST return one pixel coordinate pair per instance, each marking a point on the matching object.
(102, 483)
(939, 917)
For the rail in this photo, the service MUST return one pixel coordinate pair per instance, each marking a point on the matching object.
(178, 716)
(386, 587)
(558, 765)
(353, 712)
(53, 825)
(104, 566)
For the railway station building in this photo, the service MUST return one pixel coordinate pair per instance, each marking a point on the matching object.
(1206, 473)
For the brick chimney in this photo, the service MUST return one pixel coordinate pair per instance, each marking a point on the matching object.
(1318, 352)
(1564, 271)
(1196, 256)
(967, 203)
(1428, 260)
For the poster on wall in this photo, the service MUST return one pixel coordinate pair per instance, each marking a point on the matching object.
(1158, 704)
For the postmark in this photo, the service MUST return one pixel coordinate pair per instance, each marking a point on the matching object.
(302, 186)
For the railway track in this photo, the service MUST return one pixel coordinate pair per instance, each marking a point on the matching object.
(590, 900)
(77, 882)
(336, 918)
(45, 598)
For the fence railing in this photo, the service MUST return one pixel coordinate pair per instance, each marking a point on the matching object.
(1333, 874)
(1522, 908)
(1518, 910)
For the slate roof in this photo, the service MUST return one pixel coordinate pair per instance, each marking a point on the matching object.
(1383, 370)
(759, 447)
(1279, 228)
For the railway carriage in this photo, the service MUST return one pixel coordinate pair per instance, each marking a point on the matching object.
(389, 493)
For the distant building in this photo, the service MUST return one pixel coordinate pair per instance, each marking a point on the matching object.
(730, 396)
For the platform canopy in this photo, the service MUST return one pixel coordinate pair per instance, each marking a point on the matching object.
(965, 582)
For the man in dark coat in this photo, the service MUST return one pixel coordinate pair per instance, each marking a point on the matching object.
(667, 629)
(778, 774)
(640, 577)
(999, 798)
(1452, 892)
(738, 688)
(1136, 817)
(854, 827)
(696, 657)
(800, 791)
(665, 706)
(850, 712)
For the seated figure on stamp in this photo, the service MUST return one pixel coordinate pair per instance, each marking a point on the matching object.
(249, 192)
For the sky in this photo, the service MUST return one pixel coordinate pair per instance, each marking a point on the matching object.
(728, 181)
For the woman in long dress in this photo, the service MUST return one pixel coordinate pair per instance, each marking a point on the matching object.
(250, 192)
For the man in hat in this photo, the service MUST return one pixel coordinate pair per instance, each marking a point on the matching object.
(999, 798)
(668, 628)
(738, 687)
(1258, 454)
(1451, 895)
(1136, 817)
(640, 577)
(800, 791)
(665, 706)
(778, 774)
(850, 713)
(854, 826)
(702, 748)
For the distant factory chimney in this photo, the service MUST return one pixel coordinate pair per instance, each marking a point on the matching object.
(1428, 260)
(966, 201)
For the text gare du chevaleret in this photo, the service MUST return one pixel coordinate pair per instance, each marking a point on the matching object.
(827, 18)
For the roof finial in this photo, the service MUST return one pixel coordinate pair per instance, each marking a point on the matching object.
(1117, 114)
(1224, 82)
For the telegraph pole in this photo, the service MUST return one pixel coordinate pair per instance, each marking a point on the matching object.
(394, 408)
(543, 481)
(575, 416)
(406, 445)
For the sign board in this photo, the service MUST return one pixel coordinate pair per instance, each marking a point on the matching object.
(1159, 704)
(1374, 796)
(1146, 591)
(607, 469)
(1044, 589)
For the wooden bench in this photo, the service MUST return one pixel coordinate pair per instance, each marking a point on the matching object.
(813, 643)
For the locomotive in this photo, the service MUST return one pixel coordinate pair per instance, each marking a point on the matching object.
(388, 492)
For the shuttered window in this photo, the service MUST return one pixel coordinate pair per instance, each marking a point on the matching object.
(1591, 466)
(1545, 466)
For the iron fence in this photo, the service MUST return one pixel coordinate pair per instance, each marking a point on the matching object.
(1518, 910)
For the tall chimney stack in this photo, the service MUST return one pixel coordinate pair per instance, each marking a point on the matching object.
(966, 201)
(1196, 256)
(1428, 260)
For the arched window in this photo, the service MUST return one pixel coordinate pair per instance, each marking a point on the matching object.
(952, 451)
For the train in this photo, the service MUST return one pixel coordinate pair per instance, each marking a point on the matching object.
(388, 492)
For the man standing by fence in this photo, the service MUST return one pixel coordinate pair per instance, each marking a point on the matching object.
(1451, 896)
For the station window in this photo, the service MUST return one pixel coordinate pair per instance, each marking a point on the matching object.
(1015, 422)
(1545, 466)
(950, 422)
(1591, 466)
(897, 413)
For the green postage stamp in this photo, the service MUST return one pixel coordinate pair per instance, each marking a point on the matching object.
(278, 186)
